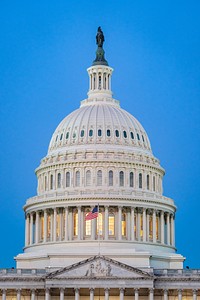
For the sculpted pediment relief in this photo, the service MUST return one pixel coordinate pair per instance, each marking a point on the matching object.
(99, 267)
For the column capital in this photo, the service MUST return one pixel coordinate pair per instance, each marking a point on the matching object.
(76, 289)
(165, 291)
(136, 290)
(195, 291)
(61, 289)
(106, 289)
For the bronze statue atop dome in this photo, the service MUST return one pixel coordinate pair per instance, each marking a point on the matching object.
(99, 37)
(100, 59)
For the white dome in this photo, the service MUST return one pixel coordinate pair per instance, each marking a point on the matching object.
(99, 123)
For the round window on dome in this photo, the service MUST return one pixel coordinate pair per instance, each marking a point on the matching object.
(82, 133)
(125, 134)
(117, 133)
(138, 137)
(99, 132)
(67, 135)
(132, 135)
(90, 132)
(108, 132)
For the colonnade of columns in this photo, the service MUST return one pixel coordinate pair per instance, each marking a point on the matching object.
(5, 293)
(113, 223)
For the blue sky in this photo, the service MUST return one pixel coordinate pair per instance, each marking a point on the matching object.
(45, 48)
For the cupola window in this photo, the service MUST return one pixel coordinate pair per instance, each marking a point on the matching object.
(82, 133)
(131, 179)
(61, 136)
(138, 137)
(121, 178)
(125, 134)
(143, 138)
(67, 135)
(108, 132)
(148, 182)
(140, 181)
(117, 133)
(90, 132)
(110, 178)
(59, 180)
(99, 132)
(67, 179)
(132, 135)
(51, 182)
(154, 183)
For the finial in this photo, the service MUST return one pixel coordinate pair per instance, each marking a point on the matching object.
(100, 60)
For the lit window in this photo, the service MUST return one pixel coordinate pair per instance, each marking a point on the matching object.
(125, 134)
(110, 178)
(138, 137)
(90, 132)
(100, 224)
(67, 179)
(147, 182)
(41, 228)
(51, 182)
(87, 227)
(48, 227)
(111, 222)
(131, 179)
(117, 133)
(77, 178)
(154, 183)
(57, 226)
(157, 228)
(99, 177)
(67, 135)
(150, 227)
(121, 178)
(108, 132)
(61, 136)
(123, 224)
(59, 180)
(99, 132)
(140, 181)
(75, 224)
(132, 135)
(82, 133)
(88, 178)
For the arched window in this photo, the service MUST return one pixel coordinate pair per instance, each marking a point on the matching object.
(82, 133)
(154, 183)
(110, 178)
(99, 82)
(131, 179)
(140, 181)
(148, 182)
(138, 137)
(61, 136)
(45, 183)
(99, 132)
(99, 177)
(59, 180)
(67, 179)
(121, 178)
(108, 132)
(75, 224)
(117, 133)
(100, 224)
(51, 182)
(123, 224)
(90, 132)
(125, 134)
(132, 135)
(111, 224)
(67, 135)
(87, 227)
(77, 178)
(88, 178)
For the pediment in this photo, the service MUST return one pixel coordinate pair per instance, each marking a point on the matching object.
(99, 267)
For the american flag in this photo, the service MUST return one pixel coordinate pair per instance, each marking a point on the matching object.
(92, 214)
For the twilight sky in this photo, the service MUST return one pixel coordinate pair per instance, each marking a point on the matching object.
(45, 49)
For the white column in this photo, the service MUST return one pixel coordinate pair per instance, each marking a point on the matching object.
(106, 223)
(144, 225)
(60, 225)
(37, 227)
(31, 229)
(33, 294)
(132, 223)
(106, 297)
(3, 294)
(76, 294)
(47, 294)
(138, 225)
(66, 223)
(79, 222)
(165, 295)
(70, 224)
(136, 294)
(62, 294)
(194, 294)
(27, 229)
(147, 226)
(121, 295)
(51, 237)
(168, 230)
(151, 295)
(172, 229)
(162, 225)
(119, 222)
(128, 225)
(179, 294)
(45, 226)
(18, 294)
(54, 224)
(154, 226)
(91, 294)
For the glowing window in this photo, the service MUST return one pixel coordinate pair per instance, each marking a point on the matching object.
(138, 137)
(100, 224)
(88, 227)
(117, 133)
(140, 181)
(132, 135)
(77, 178)
(99, 177)
(41, 228)
(59, 180)
(58, 226)
(131, 179)
(67, 135)
(147, 182)
(67, 179)
(108, 132)
(48, 227)
(123, 224)
(150, 227)
(88, 178)
(82, 133)
(51, 182)
(110, 178)
(75, 224)
(90, 132)
(111, 222)
(157, 228)
(99, 132)
(125, 134)
(121, 178)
